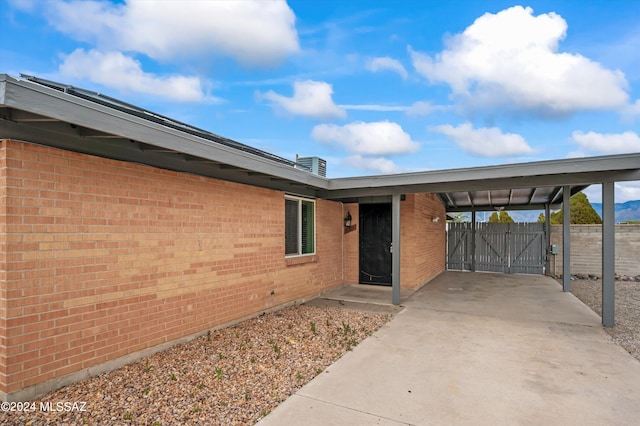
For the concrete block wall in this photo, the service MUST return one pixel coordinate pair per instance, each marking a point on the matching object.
(101, 259)
(586, 249)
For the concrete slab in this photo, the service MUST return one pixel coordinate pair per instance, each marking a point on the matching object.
(513, 297)
(473, 348)
(361, 293)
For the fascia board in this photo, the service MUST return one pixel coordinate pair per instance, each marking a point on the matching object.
(565, 170)
(443, 185)
(3, 88)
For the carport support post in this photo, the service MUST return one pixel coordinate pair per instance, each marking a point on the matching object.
(395, 255)
(473, 241)
(547, 235)
(608, 254)
(566, 238)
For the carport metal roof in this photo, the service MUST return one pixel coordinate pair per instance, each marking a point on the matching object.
(507, 199)
(512, 187)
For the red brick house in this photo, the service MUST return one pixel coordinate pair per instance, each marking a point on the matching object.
(125, 232)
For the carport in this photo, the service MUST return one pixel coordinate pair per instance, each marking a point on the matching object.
(543, 185)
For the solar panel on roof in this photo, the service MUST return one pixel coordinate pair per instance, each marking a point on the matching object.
(125, 107)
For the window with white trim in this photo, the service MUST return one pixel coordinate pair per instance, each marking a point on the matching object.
(299, 226)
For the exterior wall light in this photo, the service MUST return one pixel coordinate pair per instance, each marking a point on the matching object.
(347, 220)
(435, 219)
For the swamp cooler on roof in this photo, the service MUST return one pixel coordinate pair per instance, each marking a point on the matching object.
(315, 165)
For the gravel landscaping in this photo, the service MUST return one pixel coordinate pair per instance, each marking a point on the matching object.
(235, 375)
(626, 333)
(238, 374)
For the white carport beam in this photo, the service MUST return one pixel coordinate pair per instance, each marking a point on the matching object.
(395, 244)
(566, 238)
(608, 254)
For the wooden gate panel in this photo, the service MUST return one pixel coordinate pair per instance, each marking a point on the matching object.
(526, 249)
(516, 248)
(492, 254)
(459, 246)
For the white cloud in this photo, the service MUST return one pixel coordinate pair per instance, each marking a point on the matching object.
(608, 143)
(511, 59)
(632, 111)
(416, 109)
(486, 141)
(624, 191)
(24, 5)
(310, 98)
(374, 138)
(114, 69)
(374, 164)
(576, 154)
(254, 32)
(379, 108)
(627, 191)
(386, 63)
(421, 108)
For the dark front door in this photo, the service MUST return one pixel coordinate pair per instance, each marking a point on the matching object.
(375, 244)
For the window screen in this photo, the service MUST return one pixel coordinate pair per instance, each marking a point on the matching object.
(308, 232)
(291, 226)
(299, 223)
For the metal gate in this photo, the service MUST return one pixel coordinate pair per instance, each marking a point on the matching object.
(513, 248)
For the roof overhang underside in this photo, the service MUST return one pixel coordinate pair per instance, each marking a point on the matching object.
(39, 114)
(534, 198)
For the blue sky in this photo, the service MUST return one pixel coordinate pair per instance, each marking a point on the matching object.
(371, 86)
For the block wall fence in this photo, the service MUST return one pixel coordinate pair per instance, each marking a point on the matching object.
(103, 261)
(586, 249)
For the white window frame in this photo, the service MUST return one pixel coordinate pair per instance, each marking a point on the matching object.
(299, 200)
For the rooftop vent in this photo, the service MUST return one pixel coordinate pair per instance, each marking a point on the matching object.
(315, 165)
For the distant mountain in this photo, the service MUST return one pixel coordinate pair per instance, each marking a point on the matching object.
(525, 215)
(624, 211)
(516, 215)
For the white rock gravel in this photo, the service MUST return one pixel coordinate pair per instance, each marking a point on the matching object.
(626, 332)
(231, 376)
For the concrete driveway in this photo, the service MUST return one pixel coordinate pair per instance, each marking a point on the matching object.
(477, 348)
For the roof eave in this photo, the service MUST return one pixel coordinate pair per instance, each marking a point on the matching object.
(37, 99)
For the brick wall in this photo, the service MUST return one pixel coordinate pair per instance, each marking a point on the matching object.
(351, 245)
(103, 258)
(422, 241)
(586, 249)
